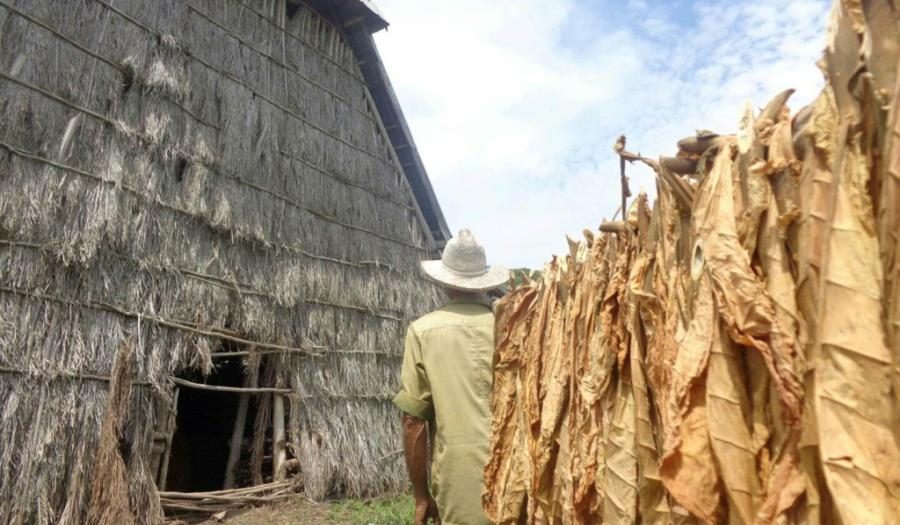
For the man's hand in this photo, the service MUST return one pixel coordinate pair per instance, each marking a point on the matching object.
(426, 509)
(415, 444)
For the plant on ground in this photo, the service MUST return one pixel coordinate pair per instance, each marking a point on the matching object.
(397, 510)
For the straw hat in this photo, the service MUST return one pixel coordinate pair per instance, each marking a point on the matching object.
(463, 266)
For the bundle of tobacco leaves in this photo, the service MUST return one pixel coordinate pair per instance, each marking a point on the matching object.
(728, 354)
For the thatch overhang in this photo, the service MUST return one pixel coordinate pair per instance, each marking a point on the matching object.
(345, 13)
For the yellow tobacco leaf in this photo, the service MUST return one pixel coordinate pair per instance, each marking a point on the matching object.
(728, 411)
(853, 381)
(652, 502)
(620, 502)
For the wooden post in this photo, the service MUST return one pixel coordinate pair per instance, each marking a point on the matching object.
(237, 439)
(240, 422)
(251, 379)
(279, 454)
(164, 473)
(293, 417)
(623, 180)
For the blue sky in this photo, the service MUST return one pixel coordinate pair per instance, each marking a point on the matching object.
(515, 104)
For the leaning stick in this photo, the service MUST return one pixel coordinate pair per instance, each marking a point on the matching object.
(279, 454)
(619, 147)
(240, 421)
(170, 431)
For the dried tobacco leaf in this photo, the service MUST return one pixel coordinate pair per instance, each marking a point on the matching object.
(742, 299)
(728, 408)
(853, 381)
(620, 502)
(653, 505)
(504, 480)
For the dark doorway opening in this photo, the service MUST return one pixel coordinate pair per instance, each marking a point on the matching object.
(205, 423)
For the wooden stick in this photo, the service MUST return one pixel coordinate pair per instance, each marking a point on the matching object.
(679, 165)
(699, 143)
(613, 226)
(279, 454)
(216, 499)
(293, 416)
(239, 491)
(217, 388)
(237, 435)
(170, 430)
(162, 322)
(619, 147)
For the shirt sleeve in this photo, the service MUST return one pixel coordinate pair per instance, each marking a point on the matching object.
(414, 397)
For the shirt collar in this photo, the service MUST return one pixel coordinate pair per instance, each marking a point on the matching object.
(482, 300)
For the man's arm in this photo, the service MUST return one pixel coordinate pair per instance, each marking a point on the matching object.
(415, 446)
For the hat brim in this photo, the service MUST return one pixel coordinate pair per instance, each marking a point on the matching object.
(495, 277)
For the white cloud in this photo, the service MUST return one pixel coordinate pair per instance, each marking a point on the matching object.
(515, 105)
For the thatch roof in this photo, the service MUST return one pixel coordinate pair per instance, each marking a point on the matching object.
(175, 175)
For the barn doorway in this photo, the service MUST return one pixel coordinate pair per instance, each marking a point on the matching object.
(204, 428)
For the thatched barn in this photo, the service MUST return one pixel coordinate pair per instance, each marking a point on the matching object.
(211, 217)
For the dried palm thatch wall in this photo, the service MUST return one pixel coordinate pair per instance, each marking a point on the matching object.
(728, 355)
(175, 174)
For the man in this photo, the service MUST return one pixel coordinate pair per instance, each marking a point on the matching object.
(446, 387)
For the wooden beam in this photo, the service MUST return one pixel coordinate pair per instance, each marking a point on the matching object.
(217, 388)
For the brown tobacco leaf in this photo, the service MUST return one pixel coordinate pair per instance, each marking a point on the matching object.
(743, 301)
(728, 409)
(883, 59)
(546, 387)
(689, 472)
(785, 484)
(814, 140)
(780, 486)
(687, 468)
(855, 414)
(750, 174)
(505, 486)
(653, 505)
(585, 409)
(889, 226)
(859, 454)
(620, 502)
(784, 171)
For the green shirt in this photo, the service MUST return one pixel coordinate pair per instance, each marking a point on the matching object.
(446, 379)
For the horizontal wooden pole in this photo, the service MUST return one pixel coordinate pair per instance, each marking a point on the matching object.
(228, 492)
(236, 389)
(613, 226)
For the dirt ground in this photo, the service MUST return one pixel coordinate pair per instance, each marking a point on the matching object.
(300, 511)
(292, 512)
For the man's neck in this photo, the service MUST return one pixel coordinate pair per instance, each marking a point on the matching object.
(459, 295)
